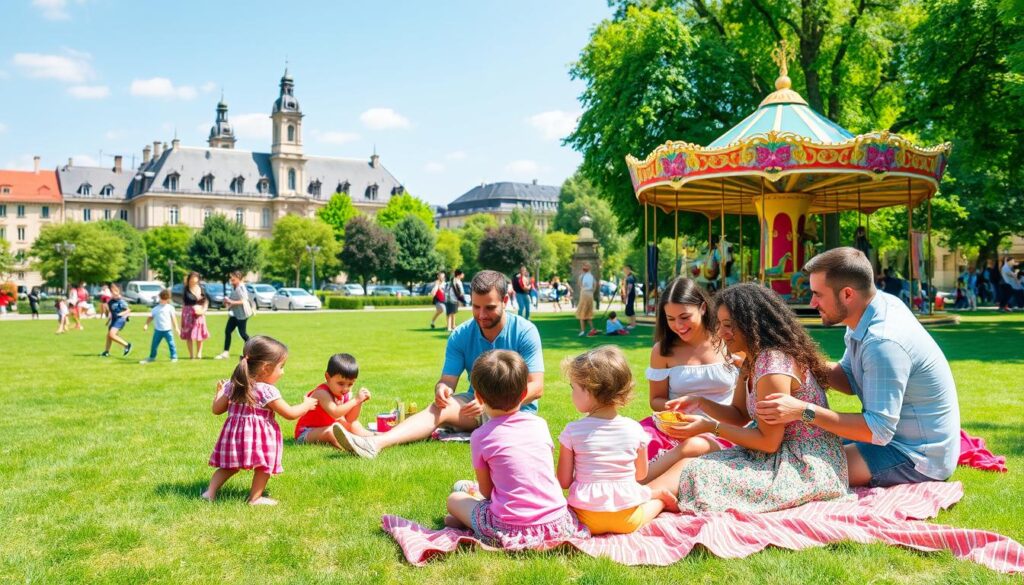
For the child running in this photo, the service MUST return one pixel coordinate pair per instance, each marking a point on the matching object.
(119, 312)
(336, 408)
(522, 506)
(604, 454)
(61, 304)
(250, 438)
(165, 327)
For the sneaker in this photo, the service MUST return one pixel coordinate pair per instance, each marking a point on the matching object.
(105, 354)
(582, 333)
(142, 362)
(174, 360)
(360, 446)
(432, 325)
(127, 350)
(593, 332)
(221, 356)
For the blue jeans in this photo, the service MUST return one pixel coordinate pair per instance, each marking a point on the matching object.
(523, 303)
(888, 465)
(159, 336)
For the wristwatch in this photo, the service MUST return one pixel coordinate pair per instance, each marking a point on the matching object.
(809, 413)
(718, 427)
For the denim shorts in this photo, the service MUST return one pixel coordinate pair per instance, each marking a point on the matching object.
(303, 436)
(888, 465)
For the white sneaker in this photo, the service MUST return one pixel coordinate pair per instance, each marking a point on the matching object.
(221, 356)
(361, 446)
(147, 361)
(582, 333)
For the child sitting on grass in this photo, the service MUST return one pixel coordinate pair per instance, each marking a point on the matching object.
(336, 407)
(613, 326)
(517, 502)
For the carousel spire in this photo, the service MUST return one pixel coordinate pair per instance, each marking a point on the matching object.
(783, 93)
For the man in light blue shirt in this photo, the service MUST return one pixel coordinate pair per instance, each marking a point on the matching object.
(491, 328)
(908, 430)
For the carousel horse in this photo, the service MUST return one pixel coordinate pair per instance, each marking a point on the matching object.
(780, 267)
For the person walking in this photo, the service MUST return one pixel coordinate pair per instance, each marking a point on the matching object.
(195, 302)
(437, 296)
(522, 287)
(629, 295)
(585, 302)
(240, 308)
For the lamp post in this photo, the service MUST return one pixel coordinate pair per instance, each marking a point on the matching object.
(170, 274)
(65, 249)
(312, 265)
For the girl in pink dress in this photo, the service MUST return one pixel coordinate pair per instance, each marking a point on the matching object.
(517, 503)
(251, 438)
(604, 454)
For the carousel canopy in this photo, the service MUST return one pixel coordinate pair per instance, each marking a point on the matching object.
(787, 147)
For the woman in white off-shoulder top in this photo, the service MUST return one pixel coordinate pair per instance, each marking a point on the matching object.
(687, 360)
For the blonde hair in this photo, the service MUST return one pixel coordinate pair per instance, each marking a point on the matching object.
(602, 372)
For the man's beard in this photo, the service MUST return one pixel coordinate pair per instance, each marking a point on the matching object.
(841, 315)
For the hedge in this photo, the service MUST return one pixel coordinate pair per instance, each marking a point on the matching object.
(359, 302)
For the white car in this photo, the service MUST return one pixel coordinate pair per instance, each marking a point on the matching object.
(263, 294)
(143, 292)
(354, 290)
(294, 298)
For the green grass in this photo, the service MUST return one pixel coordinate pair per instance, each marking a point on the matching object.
(102, 461)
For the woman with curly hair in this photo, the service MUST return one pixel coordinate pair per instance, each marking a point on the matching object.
(772, 467)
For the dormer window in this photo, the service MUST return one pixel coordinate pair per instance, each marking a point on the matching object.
(206, 184)
(107, 191)
(314, 188)
(263, 187)
(171, 183)
(291, 179)
(5, 189)
(398, 190)
(238, 185)
(371, 192)
(85, 190)
(343, 187)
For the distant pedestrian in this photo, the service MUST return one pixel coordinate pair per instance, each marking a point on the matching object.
(522, 287)
(437, 296)
(61, 304)
(165, 327)
(119, 313)
(104, 299)
(33, 301)
(194, 304)
(240, 307)
(629, 295)
(454, 297)
(585, 302)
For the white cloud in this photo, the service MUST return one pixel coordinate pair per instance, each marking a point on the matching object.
(53, 9)
(208, 87)
(526, 169)
(554, 125)
(72, 67)
(433, 167)
(84, 160)
(383, 119)
(336, 137)
(89, 92)
(457, 155)
(254, 126)
(161, 87)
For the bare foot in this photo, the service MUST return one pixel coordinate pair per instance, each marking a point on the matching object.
(452, 522)
(666, 497)
(206, 496)
(263, 501)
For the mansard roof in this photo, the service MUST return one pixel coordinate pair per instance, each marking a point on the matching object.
(359, 174)
(496, 194)
(72, 177)
(191, 164)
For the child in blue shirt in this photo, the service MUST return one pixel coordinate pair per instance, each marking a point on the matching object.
(165, 327)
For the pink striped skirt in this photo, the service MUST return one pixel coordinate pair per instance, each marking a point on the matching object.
(193, 326)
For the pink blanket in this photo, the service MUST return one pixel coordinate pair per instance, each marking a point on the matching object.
(973, 453)
(877, 515)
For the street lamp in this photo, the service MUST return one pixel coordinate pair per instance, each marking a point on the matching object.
(312, 264)
(65, 249)
(170, 273)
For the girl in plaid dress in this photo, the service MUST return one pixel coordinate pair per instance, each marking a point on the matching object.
(251, 438)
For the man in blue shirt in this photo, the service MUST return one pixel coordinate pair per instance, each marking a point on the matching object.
(491, 328)
(908, 430)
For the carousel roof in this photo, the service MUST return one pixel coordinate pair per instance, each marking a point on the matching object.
(786, 147)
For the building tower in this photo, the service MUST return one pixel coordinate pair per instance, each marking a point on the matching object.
(221, 134)
(286, 157)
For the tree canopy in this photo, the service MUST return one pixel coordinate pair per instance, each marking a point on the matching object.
(400, 206)
(449, 246)
(98, 255)
(287, 249)
(472, 233)
(417, 259)
(134, 247)
(222, 247)
(168, 242)
(506, 248)
(369, 250)
(338, 211)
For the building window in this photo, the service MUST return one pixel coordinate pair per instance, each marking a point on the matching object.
(21, 211)
(291, 133)
(173, 215)
(239, 216)
(371, 192)
(21, 276)
(6, 190)
(397, 190)
(21, 233)
(44, 212)
(85, 190)
(20, 256)
(106, 214)
(3, 211)
(263, 186)
(3, 233)
(207, 212)
(265, 217)
(171, 184)
(86, 215)
(291, 179)
(206, 184)
(107, 191)
(314, 189)
(343, 187)
(238, 185)
(124, 215)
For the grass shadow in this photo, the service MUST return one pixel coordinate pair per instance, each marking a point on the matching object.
(1007, 434)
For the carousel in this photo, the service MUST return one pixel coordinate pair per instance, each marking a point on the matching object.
(783, 165)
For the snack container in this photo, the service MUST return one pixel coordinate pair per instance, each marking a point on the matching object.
(386, 421)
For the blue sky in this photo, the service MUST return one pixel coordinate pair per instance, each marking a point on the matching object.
(451, 93)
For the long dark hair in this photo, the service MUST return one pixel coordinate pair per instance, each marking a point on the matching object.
(199, 284)
(768, 323)
(259, 353)
(683, 291)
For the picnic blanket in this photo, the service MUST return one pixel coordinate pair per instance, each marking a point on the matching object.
(974, 453)
(890, 515)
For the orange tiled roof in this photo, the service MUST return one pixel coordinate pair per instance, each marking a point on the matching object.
(29, 187)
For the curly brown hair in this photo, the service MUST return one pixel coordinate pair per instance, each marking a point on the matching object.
(768, 323)
(602, 372)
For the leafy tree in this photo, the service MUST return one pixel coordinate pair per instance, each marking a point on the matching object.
(556, 254)
(472, 233)
(98, 255)
(291, 235)
(449, 246)
(134, 247)
(506, 248)
(338, 211)
(417, 260)
(583, 200)
(168, 242)
(6, 258)
(400, 206)
(369, 250)
(221, 247)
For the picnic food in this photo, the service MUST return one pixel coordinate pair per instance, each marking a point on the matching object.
(671, 416)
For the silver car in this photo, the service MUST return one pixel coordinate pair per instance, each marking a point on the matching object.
(263, 294)
(294, 298)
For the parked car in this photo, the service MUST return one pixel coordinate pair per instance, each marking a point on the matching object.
(333, 287)
(262, 294)
(391, 290)
(143, 292)
(353, 289)
(294, 298)
(214, 290)
(423, 290)
(545, 293)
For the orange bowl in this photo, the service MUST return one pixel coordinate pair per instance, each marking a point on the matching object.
(671, 419)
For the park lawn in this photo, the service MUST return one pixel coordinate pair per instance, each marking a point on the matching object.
(102, 462)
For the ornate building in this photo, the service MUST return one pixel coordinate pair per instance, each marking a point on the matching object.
(29, 200)
(499, 200)
(184, 185)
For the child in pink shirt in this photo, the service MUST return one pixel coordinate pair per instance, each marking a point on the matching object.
(523, 505)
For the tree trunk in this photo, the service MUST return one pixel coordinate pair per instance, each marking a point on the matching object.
(297, 267)
(990, 250)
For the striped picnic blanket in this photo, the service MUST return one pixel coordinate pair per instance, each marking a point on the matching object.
(890, 516)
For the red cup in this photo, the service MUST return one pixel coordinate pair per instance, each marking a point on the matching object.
(387, 421)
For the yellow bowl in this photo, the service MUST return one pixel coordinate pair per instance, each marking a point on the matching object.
(670, 419)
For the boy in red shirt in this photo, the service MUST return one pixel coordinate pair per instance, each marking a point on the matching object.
(335, 407)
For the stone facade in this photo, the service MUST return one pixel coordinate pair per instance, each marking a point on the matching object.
(28, 201)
